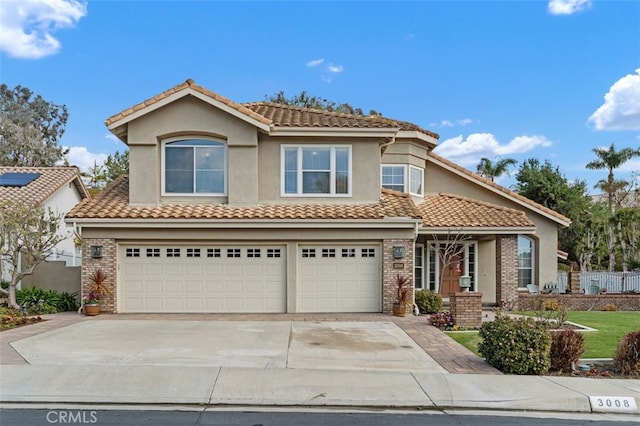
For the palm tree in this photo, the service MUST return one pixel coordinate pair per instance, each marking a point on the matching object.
(610, 159)
(486, 168)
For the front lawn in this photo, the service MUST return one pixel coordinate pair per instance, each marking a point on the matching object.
(611, 326)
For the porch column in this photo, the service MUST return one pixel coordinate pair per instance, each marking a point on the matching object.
(391, 266)
(108, 264)
(506, 268)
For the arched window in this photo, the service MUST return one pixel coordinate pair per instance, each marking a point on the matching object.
(526, 256)
(195, 166)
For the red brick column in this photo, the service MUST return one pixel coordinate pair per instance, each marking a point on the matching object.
(108, 264)
(506, 268)
(573, 279)
(466, 308)
(391, 267)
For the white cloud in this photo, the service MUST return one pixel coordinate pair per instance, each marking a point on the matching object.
(81, 157)
(449, 123)
(446, 123)
(621, 108)
(28, 25)
(112, 137)
(464, 121)
(478, 145)
(315, 62)
(567, 7)
(334, 68)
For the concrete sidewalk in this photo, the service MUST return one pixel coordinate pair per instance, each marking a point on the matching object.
(461, 381)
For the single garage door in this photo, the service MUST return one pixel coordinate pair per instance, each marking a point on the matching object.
(340, 278)
(195, 278)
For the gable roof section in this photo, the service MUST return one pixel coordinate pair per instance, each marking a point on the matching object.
(264, 115)
(36, 192)
(500, 190)
(453, 211)
(113, 203)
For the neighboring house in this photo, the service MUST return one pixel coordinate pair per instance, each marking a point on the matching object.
(262, 207)
(58, 188)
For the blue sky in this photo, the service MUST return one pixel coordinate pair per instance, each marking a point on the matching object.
(520, 79)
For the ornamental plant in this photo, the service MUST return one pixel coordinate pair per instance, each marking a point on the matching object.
(627, 357)
(567, 347)
(516, 346)
(442, 320)
(428, 301)
(92, 298)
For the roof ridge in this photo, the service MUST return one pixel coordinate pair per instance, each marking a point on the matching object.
(322, 111)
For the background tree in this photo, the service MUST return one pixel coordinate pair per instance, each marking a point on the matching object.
(486, 168)
(304, 100)
(27, 237)
(611, 159)
(116, 165)
(546, 185)
(30, 128)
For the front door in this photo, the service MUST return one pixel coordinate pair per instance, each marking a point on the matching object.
(451, 273)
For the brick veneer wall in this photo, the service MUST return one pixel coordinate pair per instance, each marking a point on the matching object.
(573, 279)
(108, 264)
(466, 308)
(389, 273)
(506, 268)
(582, 302)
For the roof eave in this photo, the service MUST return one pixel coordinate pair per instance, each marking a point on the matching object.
(333, 131)
(386, 222)
(477, 230)
(414, 134)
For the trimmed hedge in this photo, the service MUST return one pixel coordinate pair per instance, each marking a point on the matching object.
(428, 302)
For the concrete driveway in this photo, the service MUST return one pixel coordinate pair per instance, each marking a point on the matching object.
(381, 346)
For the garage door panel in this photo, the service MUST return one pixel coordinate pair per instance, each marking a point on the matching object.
(185, 278)
(348, 282)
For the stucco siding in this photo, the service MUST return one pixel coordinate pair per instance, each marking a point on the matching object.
(487, 270)
(61, 202)
(405, 152)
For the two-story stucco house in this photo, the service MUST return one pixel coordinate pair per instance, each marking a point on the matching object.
(263, 207)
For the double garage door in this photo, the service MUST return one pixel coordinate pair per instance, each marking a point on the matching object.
(247, 278)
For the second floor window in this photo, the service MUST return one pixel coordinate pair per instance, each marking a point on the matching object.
(396, 176)
(195, 166)
(316, 170)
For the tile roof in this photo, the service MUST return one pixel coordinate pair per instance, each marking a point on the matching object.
(279, 115)
(290, 116)
(189, 83)
(113, 203)
(500, 188)
(51, 179)
(449, 210)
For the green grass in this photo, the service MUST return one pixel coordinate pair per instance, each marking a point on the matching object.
(611, 326)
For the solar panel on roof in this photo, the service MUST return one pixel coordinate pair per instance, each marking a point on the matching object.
(17, 179)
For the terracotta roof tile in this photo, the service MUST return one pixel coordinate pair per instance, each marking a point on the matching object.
(182, 86)
(448, 210)
(500, 188)
(51, 179)
(113, 203)
(290, 116)
(279, 115)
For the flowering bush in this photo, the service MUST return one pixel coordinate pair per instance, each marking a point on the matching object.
(442, 320)
(92, 298)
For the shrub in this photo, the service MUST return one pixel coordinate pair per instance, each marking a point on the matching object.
(551, 305)
(428, 301)
(67, 302)
(627, 356)
(516, 346)
(610, 307)
(442, 320)
(567, 347)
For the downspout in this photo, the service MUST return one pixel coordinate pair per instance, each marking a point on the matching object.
(385, 145)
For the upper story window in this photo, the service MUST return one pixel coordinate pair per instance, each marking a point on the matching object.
(396, 176)
(316, 170)
(195, 166)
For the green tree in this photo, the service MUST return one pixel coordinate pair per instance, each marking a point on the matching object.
(546, 185)
(304, 100)
(30, 128)
(610, 159)
(116, 165)
(490, 170)
(27, 236)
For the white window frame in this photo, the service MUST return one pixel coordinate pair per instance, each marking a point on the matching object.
(194, 194)
(427, 283)
(418, 270)
(299, 172)
(407, 183)
(532, 269)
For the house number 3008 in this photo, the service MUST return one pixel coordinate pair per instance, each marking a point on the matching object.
(612, 403)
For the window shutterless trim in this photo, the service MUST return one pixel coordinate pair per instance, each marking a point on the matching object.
(300, 171)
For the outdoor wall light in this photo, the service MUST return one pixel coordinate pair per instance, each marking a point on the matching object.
(96, 252)
(398, 252)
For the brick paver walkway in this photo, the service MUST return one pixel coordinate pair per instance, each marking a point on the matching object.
(452, 356)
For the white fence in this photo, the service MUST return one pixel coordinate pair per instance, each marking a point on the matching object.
(614, 282)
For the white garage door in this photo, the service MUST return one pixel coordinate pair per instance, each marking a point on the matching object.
(193, 278)
(340, 278)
